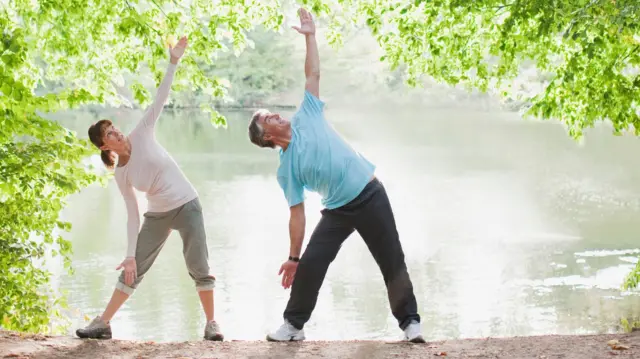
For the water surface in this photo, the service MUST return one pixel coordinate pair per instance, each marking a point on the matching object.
(509, 228)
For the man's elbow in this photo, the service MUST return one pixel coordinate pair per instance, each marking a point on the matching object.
(297, 212)
(313, 75)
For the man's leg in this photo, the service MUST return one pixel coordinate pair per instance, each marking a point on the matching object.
(322, 249)
(151, 238)
(376, 224)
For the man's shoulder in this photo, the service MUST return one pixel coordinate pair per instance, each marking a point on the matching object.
(312, 99)
(311, 104)
(288, 159)
(284, 165)
(284, 174)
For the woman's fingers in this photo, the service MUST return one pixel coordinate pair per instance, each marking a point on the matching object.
(129, 276)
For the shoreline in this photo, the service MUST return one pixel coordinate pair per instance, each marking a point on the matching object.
(30, 346)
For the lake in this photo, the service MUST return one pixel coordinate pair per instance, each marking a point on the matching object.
(509, 227)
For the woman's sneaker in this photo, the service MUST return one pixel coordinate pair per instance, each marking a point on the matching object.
(212, 332)
(97, 329)
(286, 333)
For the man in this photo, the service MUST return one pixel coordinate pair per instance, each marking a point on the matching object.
(314, 156)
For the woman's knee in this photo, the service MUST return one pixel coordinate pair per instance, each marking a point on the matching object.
(199, 270)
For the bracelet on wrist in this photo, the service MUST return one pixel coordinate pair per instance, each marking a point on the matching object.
(295, 259)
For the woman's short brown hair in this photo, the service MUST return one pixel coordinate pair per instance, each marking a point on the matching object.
(96, 134)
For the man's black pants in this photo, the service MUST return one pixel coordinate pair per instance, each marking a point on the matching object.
(371, 215)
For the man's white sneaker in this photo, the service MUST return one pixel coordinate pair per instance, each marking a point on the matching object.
(286, 333)
(413, 333)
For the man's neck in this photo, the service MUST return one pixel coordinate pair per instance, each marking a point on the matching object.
(284, 142)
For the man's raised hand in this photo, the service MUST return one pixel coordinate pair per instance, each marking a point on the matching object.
(307, 27)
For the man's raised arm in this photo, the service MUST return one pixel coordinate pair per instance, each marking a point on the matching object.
(312, 60)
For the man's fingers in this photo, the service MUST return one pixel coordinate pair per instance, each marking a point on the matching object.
(286, 280)
(119, 266)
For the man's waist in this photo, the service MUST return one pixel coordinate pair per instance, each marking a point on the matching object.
(349, 194)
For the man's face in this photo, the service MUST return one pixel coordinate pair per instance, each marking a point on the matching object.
(273, 125)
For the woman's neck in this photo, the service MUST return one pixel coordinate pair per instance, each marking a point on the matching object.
(125, 150)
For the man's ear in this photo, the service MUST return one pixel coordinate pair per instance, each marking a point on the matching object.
(267, 137)
(104, 148)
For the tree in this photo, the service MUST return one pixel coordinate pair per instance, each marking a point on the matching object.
(632, 279)
(586, 49)
(585, 52)
(88, 46)
(261, 70)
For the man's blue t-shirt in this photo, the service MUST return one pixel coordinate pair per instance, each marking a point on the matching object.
(319, 160)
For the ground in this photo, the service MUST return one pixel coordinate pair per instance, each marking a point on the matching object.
(14, 345)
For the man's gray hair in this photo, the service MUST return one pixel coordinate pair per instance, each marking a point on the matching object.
(256, 132)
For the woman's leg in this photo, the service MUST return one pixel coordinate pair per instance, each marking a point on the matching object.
(117, 300)
(190, 223)
(206, 298)
(152, 237)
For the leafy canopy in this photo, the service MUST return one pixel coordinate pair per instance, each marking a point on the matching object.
(586, 51)
(88, 45)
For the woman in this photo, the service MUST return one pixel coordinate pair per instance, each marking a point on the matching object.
(173, 205)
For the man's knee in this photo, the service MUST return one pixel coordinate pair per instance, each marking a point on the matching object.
(317, 255)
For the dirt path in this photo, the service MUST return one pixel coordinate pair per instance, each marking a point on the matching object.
(13, 345)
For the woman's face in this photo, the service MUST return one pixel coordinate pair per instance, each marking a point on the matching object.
(112, 138)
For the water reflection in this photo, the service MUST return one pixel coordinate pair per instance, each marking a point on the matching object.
(509, 228)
